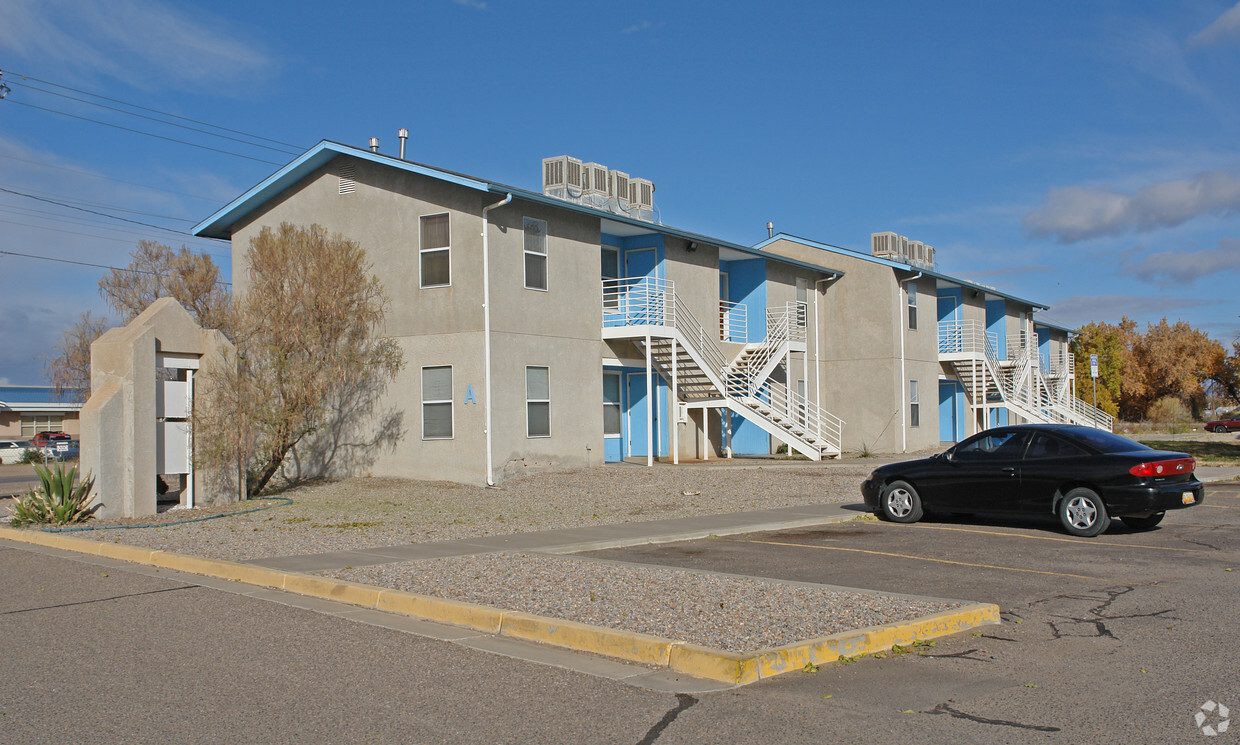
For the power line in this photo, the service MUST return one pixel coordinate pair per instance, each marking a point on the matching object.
(282, 150)
(93, 212)
(128, 241)
(138, 131)
(87, 263)
(153, 111)
(103, 205)
(88, 222)
(107, 178)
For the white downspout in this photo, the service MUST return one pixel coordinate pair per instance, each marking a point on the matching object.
(818, 343)
(903, 382)
(486, 326)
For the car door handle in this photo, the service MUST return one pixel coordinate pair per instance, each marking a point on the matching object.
(1010, 469)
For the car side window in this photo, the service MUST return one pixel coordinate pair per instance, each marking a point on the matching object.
(1045, 446)
(998, 446)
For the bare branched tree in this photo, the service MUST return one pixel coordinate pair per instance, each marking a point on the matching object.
(69, 371)
(154, 271)
(307, 343)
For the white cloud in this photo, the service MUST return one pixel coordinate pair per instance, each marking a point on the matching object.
(145, 43)
(1075, 213)
(643, 26)
(1186, 267)
(477, 4)
(1224, 29)
(1082, 309)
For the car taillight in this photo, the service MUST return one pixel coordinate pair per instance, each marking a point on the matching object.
(1172, 467)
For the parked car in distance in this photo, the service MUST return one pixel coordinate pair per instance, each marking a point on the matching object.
(44, 439)
(1084, 476)
(12, 451)
(1225, 425)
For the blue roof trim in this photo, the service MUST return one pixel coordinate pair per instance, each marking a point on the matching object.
(1053, 325)
(219, 225)
(897, 265)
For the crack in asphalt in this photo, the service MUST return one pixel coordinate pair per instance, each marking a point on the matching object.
(957, 655)
(100, 600)
(1099, 618)
(683, 701)
(945, 709)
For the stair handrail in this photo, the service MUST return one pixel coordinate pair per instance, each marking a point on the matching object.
(826, 427)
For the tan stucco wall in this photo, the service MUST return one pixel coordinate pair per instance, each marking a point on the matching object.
(558, 328)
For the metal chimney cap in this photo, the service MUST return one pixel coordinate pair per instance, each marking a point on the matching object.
(374, 144)
(402, 133)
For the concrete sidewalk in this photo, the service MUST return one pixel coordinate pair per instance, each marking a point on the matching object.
(577, 539)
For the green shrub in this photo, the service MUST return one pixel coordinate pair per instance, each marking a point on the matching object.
(58, 501)
(1170, 414)
(32, 455)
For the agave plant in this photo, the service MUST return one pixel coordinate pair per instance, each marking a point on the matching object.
(58, 501)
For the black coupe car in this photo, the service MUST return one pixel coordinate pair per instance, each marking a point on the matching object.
(1084, 476)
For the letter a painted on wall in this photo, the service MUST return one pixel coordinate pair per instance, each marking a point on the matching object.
(469, 395)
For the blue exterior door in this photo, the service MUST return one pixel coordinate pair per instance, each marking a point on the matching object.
(639, 262)
(951, 411)
(638, 408)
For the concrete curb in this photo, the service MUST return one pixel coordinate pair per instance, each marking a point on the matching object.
(680, 657)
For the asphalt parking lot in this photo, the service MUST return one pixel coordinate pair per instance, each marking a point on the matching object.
(1124, 633)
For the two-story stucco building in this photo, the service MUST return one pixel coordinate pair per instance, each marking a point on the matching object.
(567, 328)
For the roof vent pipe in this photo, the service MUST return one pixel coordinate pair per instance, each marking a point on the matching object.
(403, 134)
(770, 230)
(374, 144)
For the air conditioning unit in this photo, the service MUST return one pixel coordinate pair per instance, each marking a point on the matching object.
(641, 193)
(619, 182)
(595, 181)
(561, 173)
(889, 245)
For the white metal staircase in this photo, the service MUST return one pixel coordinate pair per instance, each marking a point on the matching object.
(1019, 383)
(644, 308)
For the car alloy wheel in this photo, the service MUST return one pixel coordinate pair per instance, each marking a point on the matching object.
(1082, 513)
(900, 503)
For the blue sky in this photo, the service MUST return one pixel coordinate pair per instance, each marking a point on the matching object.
(1086, 155)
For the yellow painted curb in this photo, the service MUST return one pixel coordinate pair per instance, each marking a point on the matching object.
(123, 551)
(873, 639)
(626, 645)
(480, 617)
(713, 664)
(331, 589)
(681, 657)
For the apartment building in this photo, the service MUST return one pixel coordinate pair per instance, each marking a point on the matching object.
(568, 328)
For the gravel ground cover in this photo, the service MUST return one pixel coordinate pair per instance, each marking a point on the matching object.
(368, 512)
(733, 613)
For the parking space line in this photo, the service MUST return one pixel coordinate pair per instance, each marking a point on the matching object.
(1062, 540)
(921, 558)
(1218, 506)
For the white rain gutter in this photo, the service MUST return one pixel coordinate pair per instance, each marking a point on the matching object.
(486, 326)
(818, 343)
(903, 382)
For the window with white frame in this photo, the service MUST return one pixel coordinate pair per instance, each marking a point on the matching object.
(537, 401)
(435, 250)
(437, 402)
(914, 404)
(912, 306)
(33, 424)
(611, 404)
(535, 254)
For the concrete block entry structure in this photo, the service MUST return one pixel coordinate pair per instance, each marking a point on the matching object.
(568, 328)
(135, 425)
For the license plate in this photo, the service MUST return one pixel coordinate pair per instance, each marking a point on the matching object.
(1188, 498)
(62, 447)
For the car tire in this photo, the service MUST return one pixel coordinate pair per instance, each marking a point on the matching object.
(1143, 523)
(1220, 429)
(1082, 513)
(900, 503)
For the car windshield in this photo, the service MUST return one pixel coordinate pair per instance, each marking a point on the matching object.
(1106, 442)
